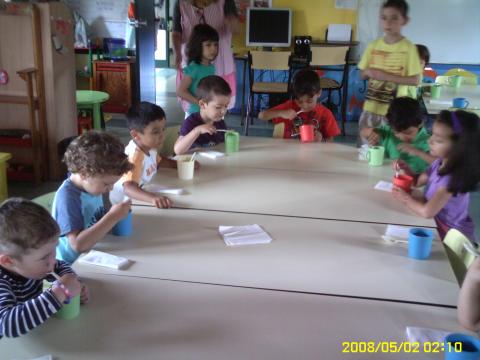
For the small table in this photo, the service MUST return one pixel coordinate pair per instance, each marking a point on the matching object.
(444, 102)
(92, 100)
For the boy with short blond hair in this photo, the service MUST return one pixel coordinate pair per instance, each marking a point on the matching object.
(28, 238)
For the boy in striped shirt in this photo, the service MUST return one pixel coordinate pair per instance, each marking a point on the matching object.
(28, 239)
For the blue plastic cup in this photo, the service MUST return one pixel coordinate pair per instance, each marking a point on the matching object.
(420, 243)
(460, 346)
(124, 226)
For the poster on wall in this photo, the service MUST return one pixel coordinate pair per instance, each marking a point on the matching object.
(346, 4)
(242, 6)
(261, 3)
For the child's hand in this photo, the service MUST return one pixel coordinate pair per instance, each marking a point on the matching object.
(374, 138)
(399, 164)
(71, 282)
(400, 194)
(407, 148)
(206, 129)
(161, 202)
(119, 211)
(84, 294)
(289, 114)
(318, 136)
(376, 74)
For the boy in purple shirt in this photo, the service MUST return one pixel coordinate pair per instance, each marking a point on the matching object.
(200, 129)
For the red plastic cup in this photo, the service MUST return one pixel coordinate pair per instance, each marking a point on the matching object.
(307, 133)
(404, 182)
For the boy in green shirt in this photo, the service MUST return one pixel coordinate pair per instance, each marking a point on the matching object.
(404, 137)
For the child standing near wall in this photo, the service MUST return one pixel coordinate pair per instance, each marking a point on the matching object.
(390, 64)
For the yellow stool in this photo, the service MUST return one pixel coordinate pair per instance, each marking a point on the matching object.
(4, 157)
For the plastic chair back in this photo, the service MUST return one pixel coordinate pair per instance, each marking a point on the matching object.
(278, 130)
(171, 135)
(46, 200)
(460, 253)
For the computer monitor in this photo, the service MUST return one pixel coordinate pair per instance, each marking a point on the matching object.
(270, 27)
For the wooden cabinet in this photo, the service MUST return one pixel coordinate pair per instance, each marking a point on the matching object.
(116, 79)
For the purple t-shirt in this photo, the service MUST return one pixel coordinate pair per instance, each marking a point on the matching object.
(195, 120)
(455, 212)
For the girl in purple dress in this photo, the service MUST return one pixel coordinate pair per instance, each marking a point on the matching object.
(455, 141)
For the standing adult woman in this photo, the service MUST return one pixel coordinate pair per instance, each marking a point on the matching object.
(222, 16)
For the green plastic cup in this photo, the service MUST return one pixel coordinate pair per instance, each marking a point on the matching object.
(435, 91)
(375, 155)
(455, 81)
(232, 142)
(71, 310)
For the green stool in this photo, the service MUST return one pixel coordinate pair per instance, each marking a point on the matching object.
(45, 200)
(92, 100)
(4, 157)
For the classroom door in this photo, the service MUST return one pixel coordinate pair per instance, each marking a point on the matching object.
(145, 45)
(162, 49)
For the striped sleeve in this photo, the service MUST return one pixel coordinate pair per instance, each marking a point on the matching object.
(19, 318)
(62, 268)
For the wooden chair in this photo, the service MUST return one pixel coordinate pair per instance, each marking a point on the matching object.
(322, 58)
(266, 60)
(171, 135)
(460, 252)
(46, 200)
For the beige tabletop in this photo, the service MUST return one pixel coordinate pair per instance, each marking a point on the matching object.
(282, 154)
(470, 92)
(133, 318)
(328, 195)
(320, 256)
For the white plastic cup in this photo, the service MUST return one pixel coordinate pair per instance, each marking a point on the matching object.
(185, 167)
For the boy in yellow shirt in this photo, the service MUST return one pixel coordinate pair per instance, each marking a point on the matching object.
(391, 65)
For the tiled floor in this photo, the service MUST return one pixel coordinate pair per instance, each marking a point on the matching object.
(166, 98)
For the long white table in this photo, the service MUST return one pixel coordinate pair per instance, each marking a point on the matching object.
(326, 195)
(308, 255)
(133, 318)
(282, 154)
(444, 102)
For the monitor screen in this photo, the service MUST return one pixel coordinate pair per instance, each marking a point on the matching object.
(269, 27)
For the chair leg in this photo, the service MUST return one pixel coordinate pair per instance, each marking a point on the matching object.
(248, 112)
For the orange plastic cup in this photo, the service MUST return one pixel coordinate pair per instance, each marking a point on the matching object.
(307, 133)
(404, 182)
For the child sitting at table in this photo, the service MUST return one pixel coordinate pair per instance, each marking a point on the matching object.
(468, 309)
(95, 160)
(28, 238)
(202, 50)
(456, 143)
(200, 128)
(146, 122)
(304, 109)
(404, 137)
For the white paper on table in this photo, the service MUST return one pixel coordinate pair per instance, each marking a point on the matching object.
(244, 235)
(100, 258)
(44, 357)
(423, 335)
(396, 234)
(164, 190)
(384, 186)
(440, 102)
(362, 152)
(212, 154)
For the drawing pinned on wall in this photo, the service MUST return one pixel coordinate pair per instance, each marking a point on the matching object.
(261, 3)
(346, 4)
(242, 6)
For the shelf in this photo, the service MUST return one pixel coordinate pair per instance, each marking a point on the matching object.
(17, 99)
